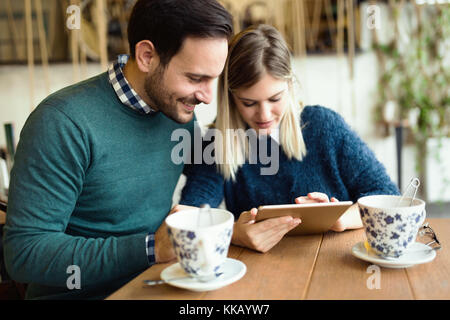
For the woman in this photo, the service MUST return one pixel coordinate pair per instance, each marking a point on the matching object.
(320, 158)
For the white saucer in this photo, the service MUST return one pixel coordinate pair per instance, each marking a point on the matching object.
(232, 270)
(418, 253)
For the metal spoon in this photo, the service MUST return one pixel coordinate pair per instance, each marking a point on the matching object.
(415, 183)
(201, 279)
(204, 208)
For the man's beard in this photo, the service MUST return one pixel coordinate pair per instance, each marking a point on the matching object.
(165, 101)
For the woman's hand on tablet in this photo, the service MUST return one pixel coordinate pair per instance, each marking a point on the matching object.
(346, 221)
(351, 219)
(314, 197)
(263, 235)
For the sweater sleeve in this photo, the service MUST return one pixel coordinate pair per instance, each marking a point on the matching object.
(357, 165)
(51, 162)
(204, 184)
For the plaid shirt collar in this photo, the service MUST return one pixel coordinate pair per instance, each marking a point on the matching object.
(123, 89)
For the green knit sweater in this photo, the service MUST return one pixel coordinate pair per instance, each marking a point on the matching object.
(91, 179)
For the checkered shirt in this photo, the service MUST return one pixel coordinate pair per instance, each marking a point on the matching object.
(123, 89)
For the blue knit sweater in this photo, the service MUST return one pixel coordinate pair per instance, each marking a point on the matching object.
(338, 163)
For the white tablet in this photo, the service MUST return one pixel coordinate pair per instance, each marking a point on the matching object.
(316, 217)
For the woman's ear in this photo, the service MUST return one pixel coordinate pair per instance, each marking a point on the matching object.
(146, 56)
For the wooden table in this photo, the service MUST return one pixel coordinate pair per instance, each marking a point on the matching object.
(312, 267)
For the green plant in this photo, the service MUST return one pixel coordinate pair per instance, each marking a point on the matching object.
(415, 74)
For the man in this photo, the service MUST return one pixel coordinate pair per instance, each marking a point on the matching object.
(93, 177)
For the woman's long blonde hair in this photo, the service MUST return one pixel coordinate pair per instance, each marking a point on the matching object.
(253, 53)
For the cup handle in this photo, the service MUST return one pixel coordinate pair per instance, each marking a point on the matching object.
(424, 216)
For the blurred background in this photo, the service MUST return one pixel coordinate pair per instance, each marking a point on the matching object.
(383, 65)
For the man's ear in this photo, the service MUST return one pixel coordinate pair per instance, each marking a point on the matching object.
(146, 56)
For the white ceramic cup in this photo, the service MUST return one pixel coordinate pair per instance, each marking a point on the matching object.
(391, 227)
(201, 240)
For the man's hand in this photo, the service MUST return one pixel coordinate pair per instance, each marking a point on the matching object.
(163, 246)
(180, 207)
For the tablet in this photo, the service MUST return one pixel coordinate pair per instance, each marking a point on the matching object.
(316, 217)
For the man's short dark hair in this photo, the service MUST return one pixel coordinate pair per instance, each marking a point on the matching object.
(166, 23)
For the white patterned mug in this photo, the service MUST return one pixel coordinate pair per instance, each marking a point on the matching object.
(201, 240)
(390, 226)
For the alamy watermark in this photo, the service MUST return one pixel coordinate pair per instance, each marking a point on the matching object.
(257, 148)
(73, 21)
(74, 280)
(374, 17)
(374, 281)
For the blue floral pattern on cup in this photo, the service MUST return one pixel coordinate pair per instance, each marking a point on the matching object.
(390, 233)
(190, 257)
